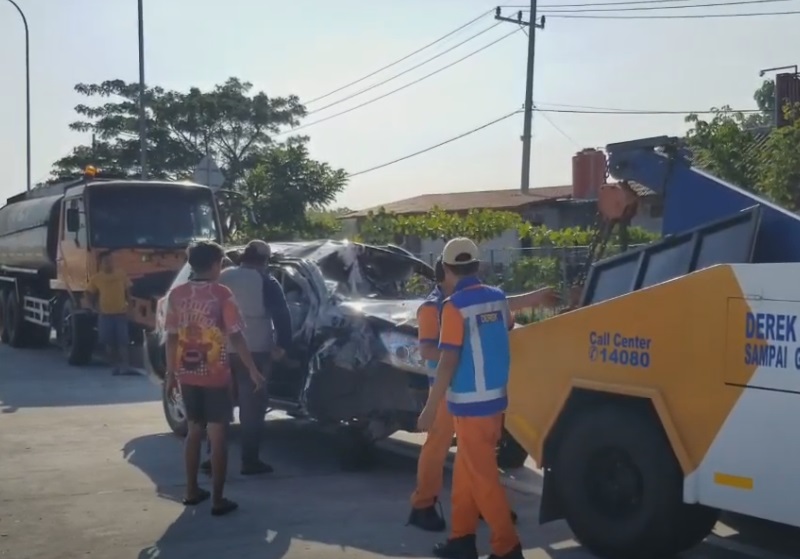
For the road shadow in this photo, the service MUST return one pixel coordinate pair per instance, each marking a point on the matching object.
(769, 536)
(33, 378)
(309, 503)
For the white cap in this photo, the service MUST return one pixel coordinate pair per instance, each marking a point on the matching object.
(460, 251)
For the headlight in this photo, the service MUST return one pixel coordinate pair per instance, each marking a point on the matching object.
(402, 351)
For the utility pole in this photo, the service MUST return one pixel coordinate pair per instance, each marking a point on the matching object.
(27, 92)
(142, 108)
(532, 25)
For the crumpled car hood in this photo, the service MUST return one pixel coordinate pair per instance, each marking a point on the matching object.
(399, 313)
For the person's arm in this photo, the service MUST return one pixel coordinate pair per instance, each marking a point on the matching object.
(275, 301)
(450, 342)
(233, 323)
(531, 299)
(128, 285)
(171, 326)
(428, 331)
(91, 293)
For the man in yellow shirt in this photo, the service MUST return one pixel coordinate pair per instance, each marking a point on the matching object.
(109, 294)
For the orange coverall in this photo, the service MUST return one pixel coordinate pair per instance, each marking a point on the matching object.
(430, 467)
(476, 481)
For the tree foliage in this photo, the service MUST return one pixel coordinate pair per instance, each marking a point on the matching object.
(479, 225)
(745, 150)
(228, 122)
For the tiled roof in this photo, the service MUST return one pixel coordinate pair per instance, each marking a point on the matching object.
(463, 201)
(480, 199)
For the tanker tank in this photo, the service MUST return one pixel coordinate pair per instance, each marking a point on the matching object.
(29, 234)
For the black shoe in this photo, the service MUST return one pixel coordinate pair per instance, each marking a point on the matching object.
(515, 553)
(256, 468)
(205, 467)
(428, 518)
(513, 517)
(457, 548)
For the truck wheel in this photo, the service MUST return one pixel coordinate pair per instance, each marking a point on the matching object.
(620, 486)
(76, 333)
(174, 411)
(3, 327)
(696, 524)
(510, 455)
(14, 321)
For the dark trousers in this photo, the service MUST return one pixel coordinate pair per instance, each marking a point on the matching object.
(252, 404)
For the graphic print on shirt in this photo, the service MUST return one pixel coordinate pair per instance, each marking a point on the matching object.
(203, 315)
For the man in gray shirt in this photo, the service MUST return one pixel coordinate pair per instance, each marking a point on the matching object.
(268, 332)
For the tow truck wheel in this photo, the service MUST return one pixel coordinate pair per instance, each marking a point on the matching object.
(3, 328)
(76, 335)
(174, 412)
(14, 320)
(620, 485)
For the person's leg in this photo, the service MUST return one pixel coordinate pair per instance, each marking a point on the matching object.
(123, 341)
(477, 443)
(217, 409)
(464, 513)
(107, 339)
(193, 404)
(430, 473)
(252, 409)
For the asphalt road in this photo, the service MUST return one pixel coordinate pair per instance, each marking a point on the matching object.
(87, 469)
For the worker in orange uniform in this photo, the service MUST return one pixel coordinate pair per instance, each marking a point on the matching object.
(430, 467)
(473, 374)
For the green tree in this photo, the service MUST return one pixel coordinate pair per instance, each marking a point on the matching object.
(779, 172)
(283, 187)
(228, 122)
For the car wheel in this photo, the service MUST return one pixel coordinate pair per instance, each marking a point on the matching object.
(174, 411)
(510, 454)
(620, 485)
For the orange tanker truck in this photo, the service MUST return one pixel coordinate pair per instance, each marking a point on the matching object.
(50, 240)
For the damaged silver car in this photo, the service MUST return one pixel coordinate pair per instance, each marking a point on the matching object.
(354, 364)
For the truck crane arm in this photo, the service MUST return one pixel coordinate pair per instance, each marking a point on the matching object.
(693, 197)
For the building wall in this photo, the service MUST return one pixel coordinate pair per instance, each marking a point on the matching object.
(649, 215)
(500, 250)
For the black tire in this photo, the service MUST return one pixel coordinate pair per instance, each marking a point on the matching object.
(14, 320)
(39, 336)
(174, 412)
(3, 328)
(696, 524)
(76, 335)
(510, 454)
(620, 485)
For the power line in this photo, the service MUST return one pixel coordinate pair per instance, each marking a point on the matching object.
(596, 4)
(649, 8)
(558, 129)
(401, 88)
(399, 60)
(636, 111)
(686, 16)
(404, 72)
(440, 144)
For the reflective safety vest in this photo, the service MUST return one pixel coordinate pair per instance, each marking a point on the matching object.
(478, 387)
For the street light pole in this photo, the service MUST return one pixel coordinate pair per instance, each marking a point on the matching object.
(27, 91)
(142, 111)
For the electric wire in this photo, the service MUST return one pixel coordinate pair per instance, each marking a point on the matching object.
(401, 88)
(650, 8)
(596, 4)
(404, 72)
(399, 60)
(433, 147)
(682, 16)
(635, 111)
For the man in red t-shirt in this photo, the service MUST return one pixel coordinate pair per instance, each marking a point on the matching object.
(201, 316)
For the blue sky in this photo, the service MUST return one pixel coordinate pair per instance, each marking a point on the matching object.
(309, 47)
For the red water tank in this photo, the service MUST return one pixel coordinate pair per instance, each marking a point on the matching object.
(588, 173)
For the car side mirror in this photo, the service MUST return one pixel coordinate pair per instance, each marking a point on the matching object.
(73, 220)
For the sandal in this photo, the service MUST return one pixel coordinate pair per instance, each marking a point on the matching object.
(224, 508)
(202, 495)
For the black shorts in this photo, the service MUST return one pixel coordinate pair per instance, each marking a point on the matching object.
(207, 405)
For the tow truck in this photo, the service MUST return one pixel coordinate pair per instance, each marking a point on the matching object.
(672, 392)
